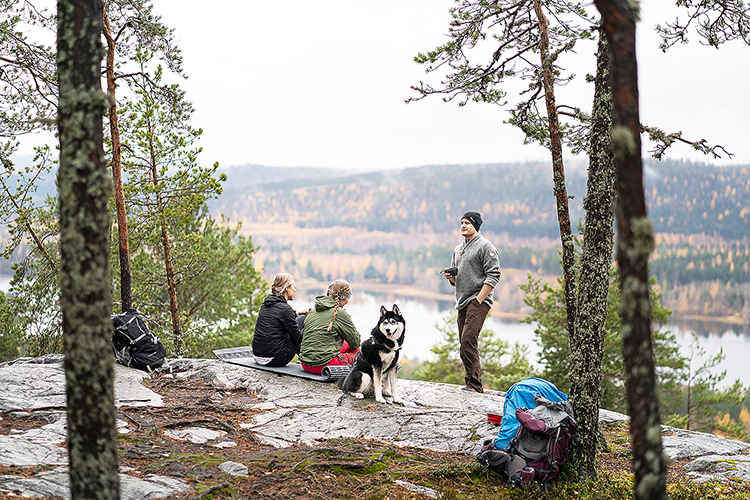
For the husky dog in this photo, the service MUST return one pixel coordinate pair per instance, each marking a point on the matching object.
(374, 369)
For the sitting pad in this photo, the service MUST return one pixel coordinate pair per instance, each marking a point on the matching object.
(243, 356)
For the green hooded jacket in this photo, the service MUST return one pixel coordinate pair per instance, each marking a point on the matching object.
(319, 346)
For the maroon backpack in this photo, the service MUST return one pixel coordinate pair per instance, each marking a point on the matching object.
(540, 447)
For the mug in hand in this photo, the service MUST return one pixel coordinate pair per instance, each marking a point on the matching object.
(451, 271)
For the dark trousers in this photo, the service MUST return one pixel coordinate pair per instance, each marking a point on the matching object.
(292, 348)
(470, 321)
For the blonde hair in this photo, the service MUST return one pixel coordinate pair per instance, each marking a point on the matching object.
(281, 282)
(339, 290)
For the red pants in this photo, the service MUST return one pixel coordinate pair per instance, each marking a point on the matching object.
(345, 357)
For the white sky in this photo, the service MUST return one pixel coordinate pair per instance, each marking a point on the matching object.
(323, 84)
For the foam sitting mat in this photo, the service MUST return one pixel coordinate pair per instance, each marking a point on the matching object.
(243, 356)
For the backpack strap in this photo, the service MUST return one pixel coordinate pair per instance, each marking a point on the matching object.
(126, 325)
(552, 444)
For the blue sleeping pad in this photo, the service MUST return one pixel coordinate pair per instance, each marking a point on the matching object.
(521, 395)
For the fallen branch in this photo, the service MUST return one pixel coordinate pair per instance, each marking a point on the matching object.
(343, 465)
(217, 422)
(136, 422)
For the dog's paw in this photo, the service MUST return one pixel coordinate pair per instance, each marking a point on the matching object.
(386, 392)
(358, 395)
(381, 400)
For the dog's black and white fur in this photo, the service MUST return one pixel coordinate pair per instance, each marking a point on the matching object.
(375, 367)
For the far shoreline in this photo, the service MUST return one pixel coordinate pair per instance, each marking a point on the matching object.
(414, 292)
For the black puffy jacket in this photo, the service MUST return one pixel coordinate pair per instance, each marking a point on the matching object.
(275, 328)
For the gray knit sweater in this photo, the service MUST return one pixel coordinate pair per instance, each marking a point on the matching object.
(478, 263)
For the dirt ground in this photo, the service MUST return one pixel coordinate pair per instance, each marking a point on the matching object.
(345, 469)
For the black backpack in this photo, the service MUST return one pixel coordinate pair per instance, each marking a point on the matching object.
(134, 344)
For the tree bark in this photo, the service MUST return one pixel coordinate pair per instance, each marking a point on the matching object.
(114, 131)
(174, 310)
(635, 243)
(558, 169)
(587, 347)
(85, 298)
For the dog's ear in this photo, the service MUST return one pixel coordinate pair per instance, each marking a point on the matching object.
(396, 310)
(383, 310)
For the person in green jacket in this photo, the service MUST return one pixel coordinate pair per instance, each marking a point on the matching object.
(329, 336)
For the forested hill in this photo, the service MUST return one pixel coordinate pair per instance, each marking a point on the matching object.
(517, 199)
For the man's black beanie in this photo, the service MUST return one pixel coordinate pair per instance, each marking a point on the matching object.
(474, 217)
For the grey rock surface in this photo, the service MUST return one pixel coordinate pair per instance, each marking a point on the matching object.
(607, 417)
(442, 416)
(35, 383)
(28, 385)
(197, 435)
(710, 467)
(681, 443)
(56, 483)
(292, 410)
(32, 383)
(422, 490)
(130, 392)
(234, 469)
(36, 446)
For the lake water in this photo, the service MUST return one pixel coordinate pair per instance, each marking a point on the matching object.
(422, 316)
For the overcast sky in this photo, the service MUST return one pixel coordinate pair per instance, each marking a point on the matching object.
(323, 84)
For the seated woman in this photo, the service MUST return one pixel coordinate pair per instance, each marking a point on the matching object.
(278, 330)
(330, 335)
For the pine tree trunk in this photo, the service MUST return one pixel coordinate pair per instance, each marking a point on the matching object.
(635, 242)
(114, 131)
(558, 169)
(689, 402)
(174, 310)
(85, 297)
(587, 346)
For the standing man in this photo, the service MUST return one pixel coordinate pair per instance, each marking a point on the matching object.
(477, 273)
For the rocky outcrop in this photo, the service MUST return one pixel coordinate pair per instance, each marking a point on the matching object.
(293, 410)
(34, 388)
(437, 416)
